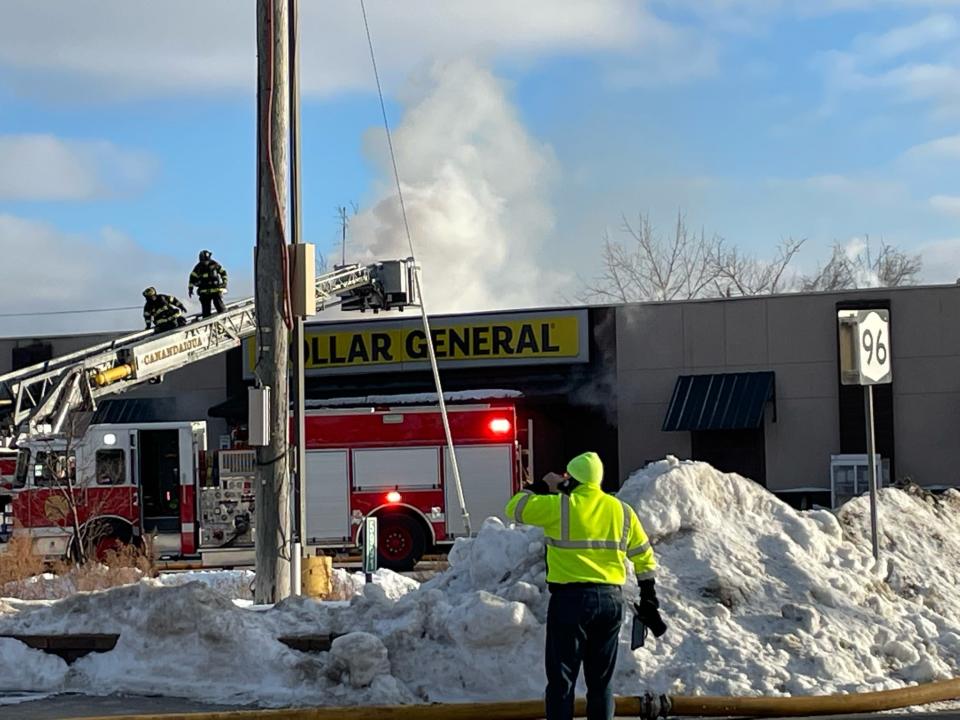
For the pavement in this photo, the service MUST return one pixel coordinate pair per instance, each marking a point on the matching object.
(71, 705)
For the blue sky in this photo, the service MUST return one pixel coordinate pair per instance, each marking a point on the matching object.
(524, 130)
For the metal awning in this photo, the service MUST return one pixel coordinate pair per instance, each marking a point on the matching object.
(719, 401)
(136, 410)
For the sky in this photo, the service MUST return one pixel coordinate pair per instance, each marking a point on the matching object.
(524, 133)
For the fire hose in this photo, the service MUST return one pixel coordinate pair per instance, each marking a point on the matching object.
(648, 707)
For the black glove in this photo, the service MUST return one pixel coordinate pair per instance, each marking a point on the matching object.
(646, 615)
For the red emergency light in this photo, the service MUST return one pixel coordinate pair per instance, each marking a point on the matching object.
(394, 497)
(499, 426)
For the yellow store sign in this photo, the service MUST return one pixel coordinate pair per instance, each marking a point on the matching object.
(495, 339)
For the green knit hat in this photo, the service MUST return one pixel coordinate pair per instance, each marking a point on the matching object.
(586, 468)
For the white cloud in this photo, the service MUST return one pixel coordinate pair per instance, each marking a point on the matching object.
(944, 148)
(847, 187)
(932, 30)
(910, 63)
(49, 270)
(946, 204)
(475, 186)
(45, 167)
(941, 261)
(143, 48)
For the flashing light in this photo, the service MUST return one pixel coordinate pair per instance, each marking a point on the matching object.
(499, 426)
(394, 497)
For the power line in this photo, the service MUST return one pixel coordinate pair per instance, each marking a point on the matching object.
(70, 312)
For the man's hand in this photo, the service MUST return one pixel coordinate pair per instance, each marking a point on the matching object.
(553, 481)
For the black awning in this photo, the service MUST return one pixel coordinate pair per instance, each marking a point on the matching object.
(719, 401)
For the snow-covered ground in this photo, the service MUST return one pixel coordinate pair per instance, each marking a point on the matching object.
(760, 599)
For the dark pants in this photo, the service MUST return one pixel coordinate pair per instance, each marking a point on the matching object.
(216, 300)
(583, 625)
(179, 321)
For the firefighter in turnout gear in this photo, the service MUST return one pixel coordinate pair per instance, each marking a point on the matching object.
(589, 536)
(210, 279)
(163, 312)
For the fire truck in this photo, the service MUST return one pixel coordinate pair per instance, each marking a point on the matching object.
(105, 485)
(156, 480)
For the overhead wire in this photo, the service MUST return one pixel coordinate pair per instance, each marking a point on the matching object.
(69, 312)
(454, 465)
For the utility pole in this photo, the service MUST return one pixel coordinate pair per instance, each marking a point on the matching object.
(299, 394)
(273, 517)
(342, 212)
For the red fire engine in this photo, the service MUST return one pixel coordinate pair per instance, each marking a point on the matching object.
(126, 481)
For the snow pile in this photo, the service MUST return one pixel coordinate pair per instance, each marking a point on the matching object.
(235, 584)
(760, 599)
(454, 396)
(89, 578)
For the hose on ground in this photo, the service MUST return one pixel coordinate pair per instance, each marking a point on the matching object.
(648, 707)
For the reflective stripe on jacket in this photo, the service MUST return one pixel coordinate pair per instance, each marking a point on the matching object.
(589, 535)
(162, 309)
(208, 277)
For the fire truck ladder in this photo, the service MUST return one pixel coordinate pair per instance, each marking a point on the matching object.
(38, 399)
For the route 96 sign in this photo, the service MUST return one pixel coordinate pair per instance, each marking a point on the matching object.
(865, 356)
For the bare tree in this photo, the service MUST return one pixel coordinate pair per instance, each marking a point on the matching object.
(738, 273)
(54, 466)
(854, 265)
(686, 265)
(654, 267)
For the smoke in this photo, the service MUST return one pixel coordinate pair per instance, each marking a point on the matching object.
(600, 391)
(475, 185)
(857, 252)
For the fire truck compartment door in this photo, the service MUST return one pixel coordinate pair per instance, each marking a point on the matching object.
(396, 468)
(486, 473)
(327, 496)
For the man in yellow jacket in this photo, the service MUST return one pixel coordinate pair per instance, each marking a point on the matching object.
(589, 537)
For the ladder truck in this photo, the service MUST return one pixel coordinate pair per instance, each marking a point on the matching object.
(65, 483)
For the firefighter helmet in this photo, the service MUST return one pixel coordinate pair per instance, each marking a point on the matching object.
(205, 254)
(150, 292)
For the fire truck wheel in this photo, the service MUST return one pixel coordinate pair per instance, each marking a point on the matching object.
(400, 542)
(103, 537)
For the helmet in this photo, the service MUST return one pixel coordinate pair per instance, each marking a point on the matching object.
(150, 292)
(205, 254)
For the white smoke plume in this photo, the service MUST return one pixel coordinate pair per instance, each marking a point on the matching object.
(857, 250)
(475, 185)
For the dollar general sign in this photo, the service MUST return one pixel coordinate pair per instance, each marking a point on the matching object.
(513, 338)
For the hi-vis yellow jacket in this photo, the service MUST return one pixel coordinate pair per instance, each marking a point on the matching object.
(589, 535)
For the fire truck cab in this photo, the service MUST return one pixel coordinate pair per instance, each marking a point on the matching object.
(128, 480)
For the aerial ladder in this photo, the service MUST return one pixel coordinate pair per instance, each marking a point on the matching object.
(39, 399)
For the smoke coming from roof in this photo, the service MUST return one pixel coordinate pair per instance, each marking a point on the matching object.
(475, 186)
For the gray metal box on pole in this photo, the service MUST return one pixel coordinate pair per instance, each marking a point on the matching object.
(258, 416)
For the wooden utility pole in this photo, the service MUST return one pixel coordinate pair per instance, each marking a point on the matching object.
(273, 517)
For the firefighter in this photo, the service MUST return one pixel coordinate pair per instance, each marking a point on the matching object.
(210, 279)
(589, 537)
(163, 312)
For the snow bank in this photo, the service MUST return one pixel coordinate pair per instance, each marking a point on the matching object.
(759, 599)
(235, 584)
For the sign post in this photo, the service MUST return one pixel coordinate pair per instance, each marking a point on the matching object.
(370, 547)
(865, 359)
